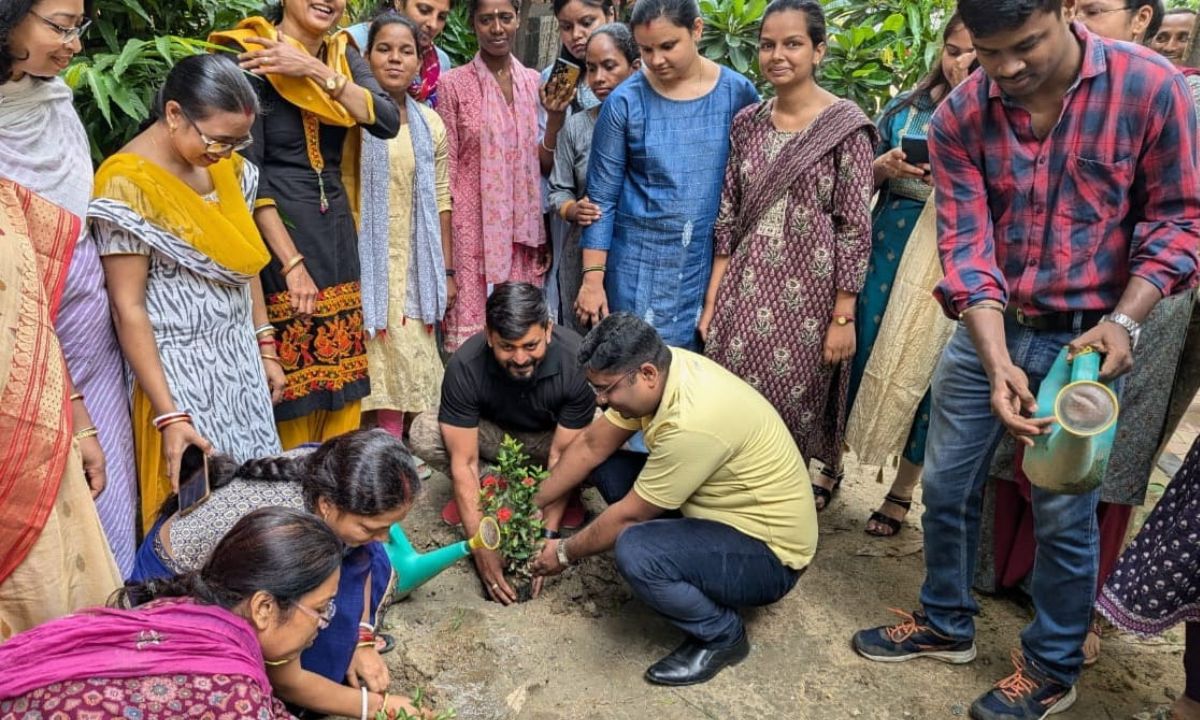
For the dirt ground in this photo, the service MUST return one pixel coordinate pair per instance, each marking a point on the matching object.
(580, 650)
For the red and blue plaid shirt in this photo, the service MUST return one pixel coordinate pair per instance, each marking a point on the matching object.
(1060, 224)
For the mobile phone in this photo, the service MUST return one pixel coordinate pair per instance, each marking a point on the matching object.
(916, 150)
(194, 485)
(564, 76)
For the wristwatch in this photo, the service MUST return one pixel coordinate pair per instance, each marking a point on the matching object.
(843, 319)
(560, 551)
(1131, 326)
(334, 83)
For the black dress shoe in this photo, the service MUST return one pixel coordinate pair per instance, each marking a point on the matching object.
(694, 662)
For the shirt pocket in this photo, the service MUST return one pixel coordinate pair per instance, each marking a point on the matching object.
(1095, 190)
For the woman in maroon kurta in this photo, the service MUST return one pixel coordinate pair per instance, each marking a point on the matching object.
(792, 240)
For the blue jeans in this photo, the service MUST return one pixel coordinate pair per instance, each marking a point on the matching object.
(694, 572)
(963, 434)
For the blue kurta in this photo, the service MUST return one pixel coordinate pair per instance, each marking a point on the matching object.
(656, 171)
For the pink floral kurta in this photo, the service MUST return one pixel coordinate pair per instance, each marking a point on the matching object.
(776, 300)
(460, 103)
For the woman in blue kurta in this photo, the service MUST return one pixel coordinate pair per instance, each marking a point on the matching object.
(656, 168)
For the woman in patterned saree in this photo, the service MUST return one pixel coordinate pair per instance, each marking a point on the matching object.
(171, 217)
(792, 238)
(204, 641)
(317, 95)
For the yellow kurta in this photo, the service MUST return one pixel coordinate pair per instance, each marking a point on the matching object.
(405, 369)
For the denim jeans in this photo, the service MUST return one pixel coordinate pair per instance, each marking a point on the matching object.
(693, 572)
(963, 434)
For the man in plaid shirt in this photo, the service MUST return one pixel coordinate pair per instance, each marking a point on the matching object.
(1068, 194)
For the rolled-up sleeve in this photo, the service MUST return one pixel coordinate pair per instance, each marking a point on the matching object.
(966, 240)
(606, 170)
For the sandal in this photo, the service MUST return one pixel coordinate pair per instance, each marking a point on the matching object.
(384, 643)
(827, 493)
(890, 522)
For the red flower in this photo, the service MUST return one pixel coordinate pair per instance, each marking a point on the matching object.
(503, 484)
(528, 482)
(489, 481)
(504, 514)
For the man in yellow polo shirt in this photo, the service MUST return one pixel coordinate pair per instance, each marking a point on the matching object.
(721, 457)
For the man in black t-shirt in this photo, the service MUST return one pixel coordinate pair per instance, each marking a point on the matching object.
(521, 377)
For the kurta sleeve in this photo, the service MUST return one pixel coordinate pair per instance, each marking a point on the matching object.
(724, 241)
(447, 109)
(562, 177)
(385, 116)
(256, 155)
(852, 191)
(606, 170)
(441, 162)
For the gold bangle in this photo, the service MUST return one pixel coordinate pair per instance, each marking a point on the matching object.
(87, 432)
(594, 268)
(171, 421)
(291, 265)
(76, 396)
(566, 207)
(275, 358)
(983, 305)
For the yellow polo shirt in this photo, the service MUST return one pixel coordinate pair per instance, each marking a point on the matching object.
(719, 451)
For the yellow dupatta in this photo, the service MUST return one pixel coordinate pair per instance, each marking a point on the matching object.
(314, 103)
(225, 234)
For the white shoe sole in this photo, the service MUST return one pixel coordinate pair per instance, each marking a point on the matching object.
(959, 657)
(1062, 705)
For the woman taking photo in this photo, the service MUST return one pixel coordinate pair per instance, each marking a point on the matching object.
(793, 236)
(430, 18)
(650, 250)
(43, 148)
(358, 485)
(317, 95)
(611, 56)
(904, 192)
(205, 641)
(172, 221)
(490, 109)
(405, 238)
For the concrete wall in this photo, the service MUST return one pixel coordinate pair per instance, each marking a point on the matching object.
(537, 40)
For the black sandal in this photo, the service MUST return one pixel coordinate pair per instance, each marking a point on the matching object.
(827, 494)
(890, 522)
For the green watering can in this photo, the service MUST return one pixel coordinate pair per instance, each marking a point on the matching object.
(414, 569)
(1073, 457)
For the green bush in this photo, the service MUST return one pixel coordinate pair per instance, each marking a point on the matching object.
(457, 40)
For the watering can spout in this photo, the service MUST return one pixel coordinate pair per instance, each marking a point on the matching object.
(1073, 457)
(414, 569)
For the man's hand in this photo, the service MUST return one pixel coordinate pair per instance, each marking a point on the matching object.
(1010, 398)
(546, 564)
(490, 567)
(1112, 341)
(367, 668)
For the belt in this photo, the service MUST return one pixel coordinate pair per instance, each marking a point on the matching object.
(1057, 321)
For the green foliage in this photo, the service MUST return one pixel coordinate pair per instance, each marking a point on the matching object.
(418, 703)
(458, 40)
(506, 494)
(731, 34)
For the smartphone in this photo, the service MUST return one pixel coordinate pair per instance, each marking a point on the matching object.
(916, 150)
(194, 485)
(563, 78)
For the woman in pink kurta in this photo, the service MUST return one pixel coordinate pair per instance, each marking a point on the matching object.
(494, 174)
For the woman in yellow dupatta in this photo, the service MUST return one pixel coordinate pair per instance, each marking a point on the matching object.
(54, 558)
(318, 94)
(172, 220)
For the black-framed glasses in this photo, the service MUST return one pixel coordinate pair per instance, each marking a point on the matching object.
(68, 33)
(324, 617)
(611, 386)
(218, 147)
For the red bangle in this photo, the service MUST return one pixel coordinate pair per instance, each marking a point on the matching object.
(366, 636)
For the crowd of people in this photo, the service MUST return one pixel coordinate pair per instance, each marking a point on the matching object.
(329, 259)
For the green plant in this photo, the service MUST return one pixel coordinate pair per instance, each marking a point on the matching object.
(418, 703)
(458, 39)
(731, 34)
(506, 494)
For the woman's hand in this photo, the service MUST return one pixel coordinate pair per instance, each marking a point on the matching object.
(368, 668)
(839, 343)
(706, 317)
(396, 703)
(276, 379)
(583, 213)
(545, 259)
(892, 166)
(93, 464)
(961, 69)
(279, 58)
(555, 105)
(175, 439)
(451, 293)
(591, 305)
(302, 291)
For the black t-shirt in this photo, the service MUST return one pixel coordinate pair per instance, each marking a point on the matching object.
(476, 386)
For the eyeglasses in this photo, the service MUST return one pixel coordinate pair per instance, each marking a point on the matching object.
(323, 618)
(218, 147)
(68, 34)
(1091, 12)
(505, 18)
(611, 386)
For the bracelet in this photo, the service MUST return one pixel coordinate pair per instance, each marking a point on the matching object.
(264, 330)
(363, 714)
(551, 534)
(566, 207)
(164, 424)
(594, 268)
(170, 416)
(267, 342)
(76, 396)
(983, 305)
(273, 358)
(451, 272)
(291, 265)
(365, 643)
(88, 432)
(548, 149)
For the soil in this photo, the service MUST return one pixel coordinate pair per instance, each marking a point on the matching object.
(579, 650)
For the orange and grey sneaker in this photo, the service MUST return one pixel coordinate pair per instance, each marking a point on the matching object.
(1024, 695)
(910, 639)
